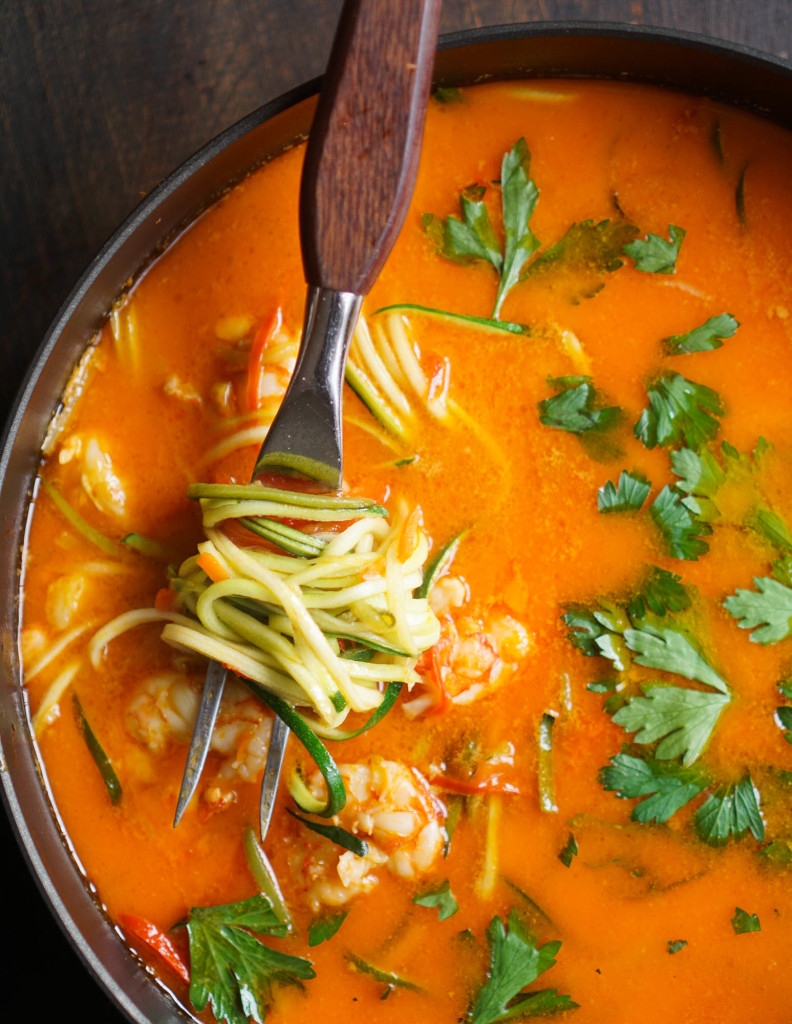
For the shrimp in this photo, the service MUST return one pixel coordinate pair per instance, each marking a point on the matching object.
(392, 807)
(481, 646)
(97, 475)
(163, 712)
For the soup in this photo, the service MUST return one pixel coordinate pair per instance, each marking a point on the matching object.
(571, 382)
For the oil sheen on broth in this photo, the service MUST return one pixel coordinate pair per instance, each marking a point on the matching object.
(593, 753)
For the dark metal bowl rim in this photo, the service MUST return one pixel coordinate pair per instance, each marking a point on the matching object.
(36, 825)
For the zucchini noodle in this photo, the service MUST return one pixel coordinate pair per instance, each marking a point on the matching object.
(295, 623)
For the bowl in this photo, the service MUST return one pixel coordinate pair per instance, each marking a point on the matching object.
(726, 73)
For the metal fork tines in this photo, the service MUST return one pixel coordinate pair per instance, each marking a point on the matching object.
(306, 438)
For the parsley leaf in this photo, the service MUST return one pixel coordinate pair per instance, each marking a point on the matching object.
(519, 194)
(661, 591)
(730, 812)
(769, 608)
(681, 531)
(514, 963)
(744, 922)
(663, 787)
(656, 255)
(468, 239)
(627, 495)
(323, 928)
(669, 650)
(705, 338)
(585, 253)
(679, 412)
(442, 898)
(232, 969)
(681, 719)
(473, 238)
(577, 407)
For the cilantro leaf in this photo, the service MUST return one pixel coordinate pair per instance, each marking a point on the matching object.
(700, 477)
(627, 495)
(232, 969)
(676, 945)
(670, 650)
(661, 592)
(705, 338)
(323, 928)
(772, 527)
(585, 253)
(681, 531)
(468, 239)
(473, 238)
(656, 255)
(577, 407)
(597, 631)
(769, 608)
(441, 898)
(518, 197)
(679, 412)
(681, 719)
(663, 787)
(514, 963)
(744, 922)
(730, 812)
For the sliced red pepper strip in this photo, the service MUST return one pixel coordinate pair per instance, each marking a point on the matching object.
(157, 941)
(471, 787)
(264, 336)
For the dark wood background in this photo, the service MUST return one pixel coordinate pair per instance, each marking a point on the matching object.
(99, 100)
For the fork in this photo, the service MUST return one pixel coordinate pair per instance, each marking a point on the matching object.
(360, 167)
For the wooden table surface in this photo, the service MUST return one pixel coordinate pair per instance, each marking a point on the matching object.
(100, 99)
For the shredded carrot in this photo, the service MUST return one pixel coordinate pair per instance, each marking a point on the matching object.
(408, 538)
(266, 332)
(212, 567)
(165, 601)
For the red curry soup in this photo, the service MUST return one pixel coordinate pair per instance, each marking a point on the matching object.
(536, 654)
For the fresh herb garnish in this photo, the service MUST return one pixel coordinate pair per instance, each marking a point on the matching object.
(627, 495)
(473, 238)
(710, 335)
(682, 531)
(680, 412)
(323, 928)
(440, 898)
(514, 963)
(585, 253)
(656, 255)
(232, 969)
(680, 718)
(767, 610)
(663, 787)
(744, 922)
(661, 592)
(675, 945)
(577, 407)
(731, 811)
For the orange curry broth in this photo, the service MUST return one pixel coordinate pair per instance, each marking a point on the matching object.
(537, 542)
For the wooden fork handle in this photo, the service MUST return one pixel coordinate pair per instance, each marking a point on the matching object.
(362, 156)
